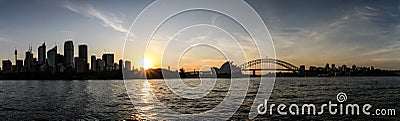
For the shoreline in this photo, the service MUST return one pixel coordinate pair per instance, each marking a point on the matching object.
(119, 76)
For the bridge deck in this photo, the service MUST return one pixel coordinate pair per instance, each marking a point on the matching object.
(268, 69)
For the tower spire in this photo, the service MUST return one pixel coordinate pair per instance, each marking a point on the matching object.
(15, 54)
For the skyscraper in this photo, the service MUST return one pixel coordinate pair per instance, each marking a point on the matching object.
(83, 52)
(7, 66)
(51, 58)
(19, 65)
(108, 61)
(128, 66)
(120, 64)
(42, 54)
(69, 55)
(81, 63)
(93, 63)
(28, 62)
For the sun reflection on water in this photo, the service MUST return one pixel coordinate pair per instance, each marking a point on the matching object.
(146, 91)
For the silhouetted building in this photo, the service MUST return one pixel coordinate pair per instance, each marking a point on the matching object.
(302, 69)
(228, 68)
(7, 66)
(108, 61)
(16, 55)
(93, 64)
(100, 65)
(128, 66)
(83, 59)
(81, 65)
(42, 54)
(83, 52)
(120, 64)
(116, 66)
(69, 54)
(354, 67)
(327, 68)
(312, 68)
(19, 66)
(60, 68)
(60, 60)
(29, 62)
(52, 58)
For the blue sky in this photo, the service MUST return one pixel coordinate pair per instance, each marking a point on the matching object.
(310, 32)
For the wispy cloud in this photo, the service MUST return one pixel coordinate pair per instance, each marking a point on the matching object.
(341, 21)
(385, 50)
(6, 40)
(364, 13)
(107, 19)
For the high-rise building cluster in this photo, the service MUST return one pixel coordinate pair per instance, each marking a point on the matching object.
(54, 62)
(333, 70)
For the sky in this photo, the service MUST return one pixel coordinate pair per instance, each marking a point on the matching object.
(306, 32)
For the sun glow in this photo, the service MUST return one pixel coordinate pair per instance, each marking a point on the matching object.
(146, 63)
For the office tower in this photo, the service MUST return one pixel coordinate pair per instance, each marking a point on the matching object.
(19, 64)
(93, 63)
(128, 65)
(108, 61)
(327, 68)
(81, 65)
(83, 52)
(28, 62)
(82, 61)
(60, 62)
(312, 68)
(100, 65)
(51, 57)
(42, 54)
(115, 67)
(302, 68)
(120, 64)
(69, 54)
(7, 66)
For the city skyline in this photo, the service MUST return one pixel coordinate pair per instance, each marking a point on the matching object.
(108, 59)
(304, 33)
(52, 61)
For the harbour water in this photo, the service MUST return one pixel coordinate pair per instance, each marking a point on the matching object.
(109, 100)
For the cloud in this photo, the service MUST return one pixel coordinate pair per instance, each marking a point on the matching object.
(70, 7)
(107, 19)
(368, 13)
(364, 13)
(371, 8)
(384, 51)
(341, 21)
(6, 40)
(289, 37)
(294, 30)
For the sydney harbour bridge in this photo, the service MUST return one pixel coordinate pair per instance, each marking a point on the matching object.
(257, 65)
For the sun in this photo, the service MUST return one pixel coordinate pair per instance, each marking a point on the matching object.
(146, 63)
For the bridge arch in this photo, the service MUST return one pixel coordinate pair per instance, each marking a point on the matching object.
(252, 63)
